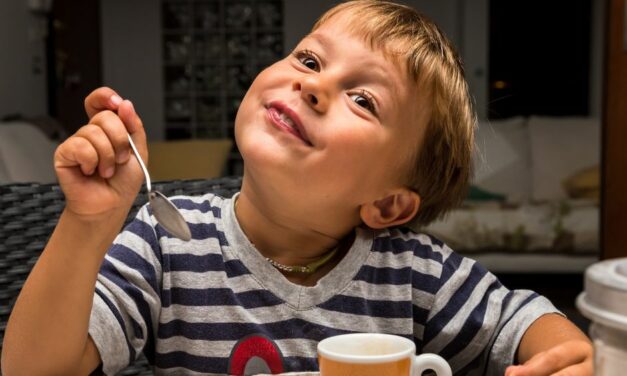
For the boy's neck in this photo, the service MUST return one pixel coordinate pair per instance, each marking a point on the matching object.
(285, 242)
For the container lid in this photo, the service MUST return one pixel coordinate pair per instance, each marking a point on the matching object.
(604, 299)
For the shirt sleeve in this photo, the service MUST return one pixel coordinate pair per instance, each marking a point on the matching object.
(127, 299)
(476, 323)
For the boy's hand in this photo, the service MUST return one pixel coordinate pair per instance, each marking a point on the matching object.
(95, 167)
(573, 358)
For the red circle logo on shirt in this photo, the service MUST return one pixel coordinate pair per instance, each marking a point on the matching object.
(255, 354)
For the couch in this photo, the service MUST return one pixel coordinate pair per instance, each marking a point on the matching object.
(29, 214)
(534, 200)
(26, 153)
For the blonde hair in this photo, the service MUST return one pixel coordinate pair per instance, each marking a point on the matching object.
(442, 165)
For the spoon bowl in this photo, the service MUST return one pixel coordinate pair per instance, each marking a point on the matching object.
(166, 214)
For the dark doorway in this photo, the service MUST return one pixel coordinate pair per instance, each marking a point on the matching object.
(614, 179)
(539, 57)
(74, 62)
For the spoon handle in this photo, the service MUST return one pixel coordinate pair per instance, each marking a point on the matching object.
(141, 163)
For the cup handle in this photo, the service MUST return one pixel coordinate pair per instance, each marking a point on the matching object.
(433, 362)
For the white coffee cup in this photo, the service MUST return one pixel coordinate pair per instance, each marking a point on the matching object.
(375, 354)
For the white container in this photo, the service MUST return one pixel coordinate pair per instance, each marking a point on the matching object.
(604, 301)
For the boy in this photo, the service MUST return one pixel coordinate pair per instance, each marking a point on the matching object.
(366, 126)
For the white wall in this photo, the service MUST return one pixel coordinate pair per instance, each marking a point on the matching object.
(474, 33)
(299, 18)
(131, 54)
(22, 61)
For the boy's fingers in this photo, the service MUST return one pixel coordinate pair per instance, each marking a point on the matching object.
(116, 131)
(77, 151)
(101, 99)
(555, 359)
(583, 369)
(135, 127)
(512, 370)
(101, 143)
(518, 371)
(87, 157)
(129, 116)
(544, 364)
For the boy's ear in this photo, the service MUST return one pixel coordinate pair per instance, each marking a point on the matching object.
(395, 209)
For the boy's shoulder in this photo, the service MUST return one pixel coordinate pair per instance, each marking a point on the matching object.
(208, 203)
(423, 245)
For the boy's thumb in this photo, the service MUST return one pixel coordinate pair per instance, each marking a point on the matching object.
(129, 116)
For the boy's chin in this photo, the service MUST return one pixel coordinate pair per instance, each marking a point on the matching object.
(271, 152)
(266, 164)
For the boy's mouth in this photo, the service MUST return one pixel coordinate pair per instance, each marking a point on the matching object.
(285, 118)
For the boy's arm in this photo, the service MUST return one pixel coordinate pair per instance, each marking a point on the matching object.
(47, 332)
(48, 327)
(550, 345)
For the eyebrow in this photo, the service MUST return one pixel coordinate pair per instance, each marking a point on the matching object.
(322, 39)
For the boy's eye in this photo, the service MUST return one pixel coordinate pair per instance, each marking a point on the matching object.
(310, 63)
(365, 100)
(308, 59)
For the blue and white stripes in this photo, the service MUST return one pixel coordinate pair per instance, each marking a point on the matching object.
(186, 304)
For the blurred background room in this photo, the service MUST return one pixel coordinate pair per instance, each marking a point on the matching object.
(548, 79)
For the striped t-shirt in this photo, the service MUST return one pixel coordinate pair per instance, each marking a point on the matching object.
(214, 305)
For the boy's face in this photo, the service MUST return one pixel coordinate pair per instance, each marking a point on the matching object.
(334, 123)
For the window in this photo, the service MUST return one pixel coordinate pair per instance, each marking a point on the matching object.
(213, 49)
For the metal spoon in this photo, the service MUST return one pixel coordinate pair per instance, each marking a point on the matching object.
(163, 209)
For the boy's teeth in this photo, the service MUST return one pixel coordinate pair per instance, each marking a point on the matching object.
(286, 119)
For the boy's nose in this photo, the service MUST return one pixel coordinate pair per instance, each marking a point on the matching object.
(311, 93)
